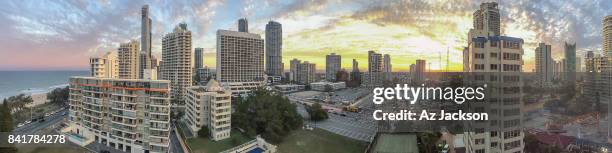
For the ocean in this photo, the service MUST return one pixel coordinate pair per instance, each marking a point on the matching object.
(32, 82)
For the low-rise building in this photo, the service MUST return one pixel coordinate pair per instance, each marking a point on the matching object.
(320, 86)
(290, 88)
(209, 106)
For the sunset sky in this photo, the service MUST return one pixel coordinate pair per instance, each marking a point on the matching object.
(62, 35)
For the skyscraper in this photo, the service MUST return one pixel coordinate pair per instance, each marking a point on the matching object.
(355, 65)
(544, 65)
(332, 66)
(105, 66)
(570, 63)
(240, 64)
(493, 57)
(199, 58)
(487, 20)
(419, 71)
(607, 35)
(387, 63)
(274, 48)
(177, 65)
(243, 25)
(375, 62)
(129, 60)
(145, 41)
(131, 115)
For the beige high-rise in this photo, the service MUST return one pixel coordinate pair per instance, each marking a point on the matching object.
(105, 66)
(177, 65)
(607, 35)
(129, 60)
(240, 60)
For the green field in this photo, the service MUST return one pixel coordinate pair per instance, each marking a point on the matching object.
(304, 141)
(205, 145)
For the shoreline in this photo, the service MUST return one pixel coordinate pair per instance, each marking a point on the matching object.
(35, 93)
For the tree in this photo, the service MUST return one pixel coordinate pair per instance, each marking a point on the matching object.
(269, 115)
(59, 95)
(6, 125)
(203, 132)
(316, 112)
(427, 141)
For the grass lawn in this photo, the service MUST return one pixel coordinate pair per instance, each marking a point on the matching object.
(318, 140)
(205, 145)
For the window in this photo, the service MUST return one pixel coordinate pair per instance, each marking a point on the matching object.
(479, 141)
(479, 56)
(493, 43)
(493, 66)
(479, 151)
(512, 56)
(479, 66)
(493, 55)
(479, 45)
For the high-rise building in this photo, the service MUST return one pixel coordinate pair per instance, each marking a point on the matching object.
(493, 58)
(375, 62)
(129, 59)
(307, 73)
(332, 66)
(240, 64)
(355, 65)
(145, 42)
(198, 58)
(419, 71)
(209, 106)
(387, 63)
(131, 115)
(294, 68)
(544, 65)
(105, 66)
(177, 65)
(487, 20)
(570, 63)
(274, 49)
(243, 25)
(607, 35)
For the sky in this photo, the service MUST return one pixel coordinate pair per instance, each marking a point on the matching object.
(62, 35)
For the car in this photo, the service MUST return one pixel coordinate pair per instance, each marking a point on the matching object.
(47, 114)
(28, 122)
(20, 125)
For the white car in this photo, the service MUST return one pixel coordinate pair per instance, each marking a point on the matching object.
(27, 122)
(20, 125)
(47, 114)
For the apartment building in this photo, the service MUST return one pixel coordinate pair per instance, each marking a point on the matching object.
(241, 60)
(105, 66)
(209, 106)
(129, 60)
(131, 115)
(177, 66)
(332, 66)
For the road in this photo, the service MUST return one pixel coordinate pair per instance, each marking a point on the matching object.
(175, 146)
(353, 125)
(36, 126)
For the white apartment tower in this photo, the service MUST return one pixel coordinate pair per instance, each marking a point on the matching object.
(306, 73)
(294, 66)
(129, 59)
(240, 64)
(105, 66)
(131, 115)
(544, 65)
(274, 49)
(332, 66)
(375, 62)
(497, 61)
(209, 106)
(177, 65)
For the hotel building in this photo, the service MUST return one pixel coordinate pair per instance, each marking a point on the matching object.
(209, 106)
(131, 115)
(241, 64)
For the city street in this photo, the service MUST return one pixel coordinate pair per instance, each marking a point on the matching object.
(36, 126)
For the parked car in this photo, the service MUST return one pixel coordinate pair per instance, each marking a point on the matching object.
(20, 125)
